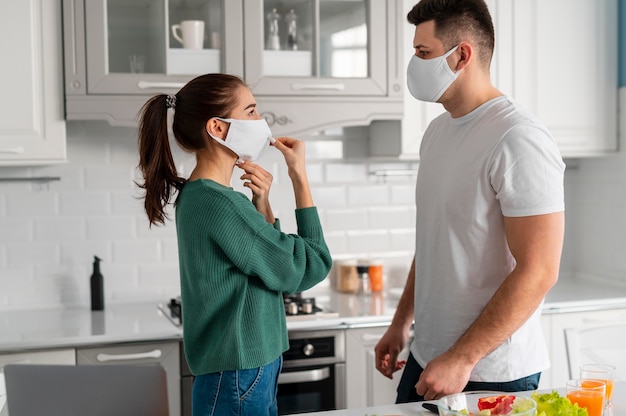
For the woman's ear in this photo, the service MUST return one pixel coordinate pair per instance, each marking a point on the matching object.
(216, 128)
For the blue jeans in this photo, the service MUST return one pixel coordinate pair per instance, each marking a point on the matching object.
(237, 393)
(412, 371)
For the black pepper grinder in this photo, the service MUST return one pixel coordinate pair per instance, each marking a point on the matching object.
(97, 286)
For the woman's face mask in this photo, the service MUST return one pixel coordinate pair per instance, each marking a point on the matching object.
(428, 79)
(249, 139)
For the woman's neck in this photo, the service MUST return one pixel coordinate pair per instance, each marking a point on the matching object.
(215, 167)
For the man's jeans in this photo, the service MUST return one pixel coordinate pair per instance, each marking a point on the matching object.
(412, 371)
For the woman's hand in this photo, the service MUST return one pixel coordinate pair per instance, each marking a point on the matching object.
(259, 181)
(294, 152)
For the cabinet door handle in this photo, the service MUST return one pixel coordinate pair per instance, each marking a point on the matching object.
(14, 151)
(102, 358)
(371, 337)
(146, 85)
(304, 376)
(302, 87)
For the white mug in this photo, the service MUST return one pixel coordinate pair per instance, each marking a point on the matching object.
(192, 33)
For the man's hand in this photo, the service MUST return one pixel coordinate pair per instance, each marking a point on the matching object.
(445, 374)
(388, 349)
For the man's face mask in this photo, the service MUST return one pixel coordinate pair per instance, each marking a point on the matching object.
(249, 139)
(428, 79)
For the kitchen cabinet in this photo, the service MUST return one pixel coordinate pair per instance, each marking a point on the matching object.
(32, 126)
(365, 385)
(102, 38)
(534, 41)
(165, 354)
(64, 356)
(578, 103)
(338, 68)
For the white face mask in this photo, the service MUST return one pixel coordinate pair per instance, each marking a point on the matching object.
(249, 139)
(428, 79)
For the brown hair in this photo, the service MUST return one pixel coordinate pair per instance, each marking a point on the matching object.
(456, 19)
(204, 97)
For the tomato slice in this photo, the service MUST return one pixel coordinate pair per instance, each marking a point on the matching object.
(499, 405)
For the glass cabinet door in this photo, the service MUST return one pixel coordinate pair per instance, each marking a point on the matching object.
(316, 47)
(145, 46)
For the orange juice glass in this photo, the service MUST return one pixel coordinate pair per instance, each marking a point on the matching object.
(601, 372)
(589, 394)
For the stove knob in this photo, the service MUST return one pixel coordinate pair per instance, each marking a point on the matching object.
(308, 350)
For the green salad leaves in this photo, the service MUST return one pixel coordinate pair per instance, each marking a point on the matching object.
(553, 404)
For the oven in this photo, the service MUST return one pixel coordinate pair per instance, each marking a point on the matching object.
(314, 373)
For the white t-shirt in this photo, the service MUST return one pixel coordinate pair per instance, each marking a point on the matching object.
(499, 160)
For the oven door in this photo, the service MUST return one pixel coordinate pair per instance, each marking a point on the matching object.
(311, 389)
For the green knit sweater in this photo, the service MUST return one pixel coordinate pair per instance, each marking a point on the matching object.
(234, 267)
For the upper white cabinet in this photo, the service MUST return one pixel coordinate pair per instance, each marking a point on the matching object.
(577, 100)
(118, 53)
(312, 64)
(535, 43)
(32, 126)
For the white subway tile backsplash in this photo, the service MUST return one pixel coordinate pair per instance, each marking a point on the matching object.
(124, 202)
(17, 230)
(402, 240)
(330, 196)
(364, 196)
(84, 202)
(390, 217)
(346, 173)
(64, 228)
(345, 219)
(337, 242)
(80, 254)
(403, 194)
(50, 233)
(32, 254)
(368, 241)
(136, 251)
(30, 205)
(111, 227)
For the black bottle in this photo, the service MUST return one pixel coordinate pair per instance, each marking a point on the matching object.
(97, 286)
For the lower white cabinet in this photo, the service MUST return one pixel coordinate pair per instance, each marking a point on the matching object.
(165, 354)
(65, 356)
(365, 386)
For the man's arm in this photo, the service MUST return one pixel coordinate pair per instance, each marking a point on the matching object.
(395, 338)
(536, 243)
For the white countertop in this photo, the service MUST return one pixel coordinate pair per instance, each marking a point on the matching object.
(618, 407)
(71, 327)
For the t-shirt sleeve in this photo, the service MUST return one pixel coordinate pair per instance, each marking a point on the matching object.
(527, 173)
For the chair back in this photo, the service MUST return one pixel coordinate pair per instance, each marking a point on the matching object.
(94, 390)
(601, 344)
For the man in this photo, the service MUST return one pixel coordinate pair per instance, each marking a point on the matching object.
(490, 221)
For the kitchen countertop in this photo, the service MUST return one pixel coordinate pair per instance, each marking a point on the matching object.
(142, 322)
(415, 409)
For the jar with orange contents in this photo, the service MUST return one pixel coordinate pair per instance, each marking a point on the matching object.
(376, 275)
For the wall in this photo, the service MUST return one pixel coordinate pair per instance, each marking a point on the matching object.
(50, 232)
(597, 195)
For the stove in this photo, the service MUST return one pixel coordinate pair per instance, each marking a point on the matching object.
(297, 307)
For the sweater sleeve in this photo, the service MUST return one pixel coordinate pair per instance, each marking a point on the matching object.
(282, 262)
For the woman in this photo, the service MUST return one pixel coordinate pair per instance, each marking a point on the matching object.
(235, 263)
